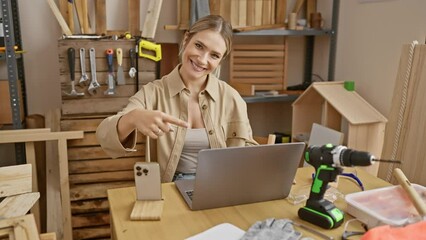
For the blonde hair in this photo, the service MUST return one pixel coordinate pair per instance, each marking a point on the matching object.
(210, 22)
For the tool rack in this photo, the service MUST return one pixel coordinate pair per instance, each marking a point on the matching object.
(15, 69)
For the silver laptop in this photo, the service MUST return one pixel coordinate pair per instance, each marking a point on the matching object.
(240, 175)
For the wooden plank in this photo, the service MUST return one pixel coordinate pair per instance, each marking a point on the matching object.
(42, 137)
(184, 14)
(215, 7)
(250, 13)
(18, 205)
(151, 19)
(251, 67)
(92, 232)
(311, 7)
(64, 25)
(95, 190)
(271, 47)
(30, 157)
(48, 236)
(298, 6)
(64, 188)
(267, 12)
(258, 60)
(242, 13)
(90, 140)
(259, 54)
(244, 89)
(93, 106)
(23, 227)
(133, 7)
(102, 177)
(84, 12)
(100, 18)
(103, 165)
(403, 141)
(15, 180)
(258, 10)
(36, 121)
(90, 206)
(79, 9)
(54, 211)
(257, 74)
(235, 12)
(90, 219)
(225, 10)
(85, 153)
(281, 11)
(258, 80)
(3, 133)
(80, 124)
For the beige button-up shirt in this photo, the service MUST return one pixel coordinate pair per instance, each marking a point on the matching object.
(223, 110)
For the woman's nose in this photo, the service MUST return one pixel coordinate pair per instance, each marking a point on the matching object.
(203, 58)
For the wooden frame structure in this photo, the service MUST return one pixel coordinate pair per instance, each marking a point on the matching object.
(29, 136)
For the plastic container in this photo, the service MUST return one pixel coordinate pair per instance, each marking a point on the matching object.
(384, 206)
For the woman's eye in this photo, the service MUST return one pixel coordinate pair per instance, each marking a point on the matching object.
(197, 45)
(215, 56)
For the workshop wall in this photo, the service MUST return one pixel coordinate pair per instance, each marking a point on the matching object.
(369, 44)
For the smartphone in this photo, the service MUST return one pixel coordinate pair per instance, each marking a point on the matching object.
(147, 180)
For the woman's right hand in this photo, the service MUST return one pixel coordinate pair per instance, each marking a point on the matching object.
(150, 123)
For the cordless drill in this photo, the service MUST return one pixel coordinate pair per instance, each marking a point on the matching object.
(328, 161)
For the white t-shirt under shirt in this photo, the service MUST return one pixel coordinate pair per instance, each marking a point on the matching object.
(195, 140)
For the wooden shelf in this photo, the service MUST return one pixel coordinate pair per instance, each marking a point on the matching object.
(286, 32)
(272, 98)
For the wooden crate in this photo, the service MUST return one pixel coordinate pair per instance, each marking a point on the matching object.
(258, 67)
(91, 171)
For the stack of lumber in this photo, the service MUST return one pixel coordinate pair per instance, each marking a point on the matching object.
(91, 171)
(405, 134)
(240, 13)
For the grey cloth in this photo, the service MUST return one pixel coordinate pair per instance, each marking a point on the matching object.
(272, 229)
(199, 9)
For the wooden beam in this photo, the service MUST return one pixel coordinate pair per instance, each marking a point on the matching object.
(281, 11)
(151, 19)
(134, 17)
(100, 6)
(64, 26)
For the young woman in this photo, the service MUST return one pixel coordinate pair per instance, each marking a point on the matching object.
(187, 110)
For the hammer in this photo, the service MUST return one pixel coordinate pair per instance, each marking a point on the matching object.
(71, 63)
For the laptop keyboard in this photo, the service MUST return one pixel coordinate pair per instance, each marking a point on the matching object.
(190, 193)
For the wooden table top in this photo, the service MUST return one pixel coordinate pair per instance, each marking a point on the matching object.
(179, 222)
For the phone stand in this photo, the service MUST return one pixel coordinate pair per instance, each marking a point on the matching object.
(147, 210)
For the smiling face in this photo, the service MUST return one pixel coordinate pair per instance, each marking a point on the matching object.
(202, 54)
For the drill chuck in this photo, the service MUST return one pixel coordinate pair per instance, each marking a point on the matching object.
(337, 156)
(356, 158)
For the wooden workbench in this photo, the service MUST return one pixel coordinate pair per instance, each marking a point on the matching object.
(179, 222)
